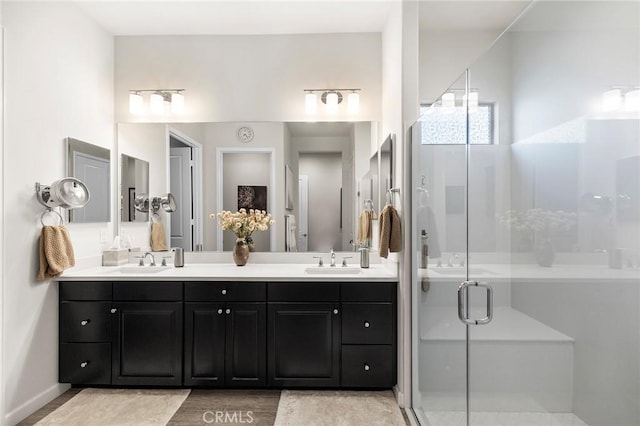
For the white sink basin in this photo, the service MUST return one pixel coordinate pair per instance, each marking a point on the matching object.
(336, 270)
(139, 269)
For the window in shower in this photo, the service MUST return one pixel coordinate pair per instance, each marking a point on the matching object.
(447, 126)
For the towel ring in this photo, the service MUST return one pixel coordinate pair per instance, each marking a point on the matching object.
(44, 213)
(390, 193)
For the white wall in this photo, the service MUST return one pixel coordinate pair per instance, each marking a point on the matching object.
(58, 70)
(249, 78)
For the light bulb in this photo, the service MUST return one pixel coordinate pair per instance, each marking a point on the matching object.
(448, 100)
(353, 103)
(611, 100)
(632, 100)
(136, 103)
(310, 103)
(470, 100)
(177, 103)
(332, 102)
(156, 103)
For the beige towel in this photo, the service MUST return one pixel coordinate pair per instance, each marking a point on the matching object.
(158, 237)
(390, 231)
(364, 226)
(56, 252)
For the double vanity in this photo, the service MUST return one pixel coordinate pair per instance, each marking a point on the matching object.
(218, 325)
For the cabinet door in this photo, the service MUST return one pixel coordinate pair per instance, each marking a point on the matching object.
(147, 343)
(204, 344)
(246, 355)
(304, 344)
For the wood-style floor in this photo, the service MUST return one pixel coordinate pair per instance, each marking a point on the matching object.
(263, 404)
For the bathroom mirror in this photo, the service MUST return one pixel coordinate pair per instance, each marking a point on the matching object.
(386, 169)
(92, 165)
(328, 162)
(134, 185)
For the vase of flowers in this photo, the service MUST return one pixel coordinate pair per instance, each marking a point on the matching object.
(243, 223)
(540, 227)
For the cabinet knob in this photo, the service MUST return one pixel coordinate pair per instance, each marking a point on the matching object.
(84, 322)
(366, 367)
(224, 291)
(114, 310)
(335, 312)
(84, 364)
(228, 311)
(219, 311)
(366, 324)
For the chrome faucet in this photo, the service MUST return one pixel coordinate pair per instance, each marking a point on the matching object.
(333, 257)
(153, 259)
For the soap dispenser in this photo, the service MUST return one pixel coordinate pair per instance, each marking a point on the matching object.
(424, 250)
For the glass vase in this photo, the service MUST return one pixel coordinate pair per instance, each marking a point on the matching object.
(241, 253)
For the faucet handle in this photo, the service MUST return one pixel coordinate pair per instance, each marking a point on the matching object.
(141, 262)
(320, 262)
(164, 260)
(344, 261)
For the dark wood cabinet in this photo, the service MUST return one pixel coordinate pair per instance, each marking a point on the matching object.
(228, 334)
(225, 334)
(147, 343)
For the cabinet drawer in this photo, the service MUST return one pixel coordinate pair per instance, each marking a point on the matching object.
(85, 363)
(304, 292)
(368, 366)
(221, 291)
(145, 291)
(367, 323)
(85, 321)
(368, 292)
(85, 290)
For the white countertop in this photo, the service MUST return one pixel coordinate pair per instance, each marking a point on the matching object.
(228, 272)
(529, 271)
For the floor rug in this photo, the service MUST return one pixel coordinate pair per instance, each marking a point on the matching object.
(118, 407)
(222, 407)
(338, 408)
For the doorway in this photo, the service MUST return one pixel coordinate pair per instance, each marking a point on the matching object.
(323, 172)
(184, 172)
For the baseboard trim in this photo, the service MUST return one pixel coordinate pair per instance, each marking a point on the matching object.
(399, 396)
(35, 403)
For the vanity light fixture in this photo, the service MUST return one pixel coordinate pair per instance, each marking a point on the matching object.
(331, 98)
(449, 100)
(612, 100)
(160, 101)
(470, 100)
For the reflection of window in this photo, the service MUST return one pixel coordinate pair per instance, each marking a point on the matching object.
(448, 125)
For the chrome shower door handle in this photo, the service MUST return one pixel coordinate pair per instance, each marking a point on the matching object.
(463, 303)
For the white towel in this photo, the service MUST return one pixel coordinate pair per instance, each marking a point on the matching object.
(291, 233)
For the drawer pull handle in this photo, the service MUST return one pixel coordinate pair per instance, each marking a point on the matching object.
(84, 322)
(335, 312)
(84, 364)
(224, 291)
(366, 367)
(114, 310)
(219, 311)
(228, 311)
(366, 324)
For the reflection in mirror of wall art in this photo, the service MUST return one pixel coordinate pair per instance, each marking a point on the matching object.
(92, 165)
(252, 197)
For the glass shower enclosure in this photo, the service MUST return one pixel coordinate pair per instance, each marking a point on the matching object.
(526, 228)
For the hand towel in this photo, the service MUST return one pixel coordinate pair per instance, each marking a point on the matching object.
(390, 231)
(56, 252)
(158, 237)
(364, 226)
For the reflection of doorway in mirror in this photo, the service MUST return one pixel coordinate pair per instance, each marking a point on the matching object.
(303, 212)
(324, 172)
(185, 225)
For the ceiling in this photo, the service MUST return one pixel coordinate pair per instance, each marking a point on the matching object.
(232, 17)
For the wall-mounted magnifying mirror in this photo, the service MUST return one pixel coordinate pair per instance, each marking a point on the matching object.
(134, 187)
(91, 164)
(68, 193)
